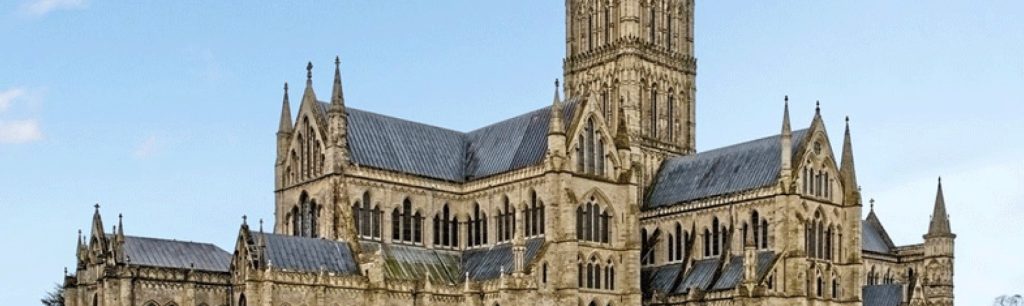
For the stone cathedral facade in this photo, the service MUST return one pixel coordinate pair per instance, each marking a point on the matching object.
(597, 199)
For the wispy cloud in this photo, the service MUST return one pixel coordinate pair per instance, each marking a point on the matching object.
(8, 96)
(43, 7)
(147, 148)
(20, 131)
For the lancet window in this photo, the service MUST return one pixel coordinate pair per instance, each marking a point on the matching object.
(367, 217)
(476, 227)
(506, 221)
(592, 222)
(304, 217)
(406, 225)
(590, 154)
(534, 214)
(446, 228)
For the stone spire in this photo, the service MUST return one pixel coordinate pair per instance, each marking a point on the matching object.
(847, 173)
(285, 125)
(786, 175)
(940, 219)
(97, 227)
(337, 94)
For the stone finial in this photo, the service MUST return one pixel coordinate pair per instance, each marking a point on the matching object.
(261, 225)
(245, 220)
(817, 106)
(309, 72)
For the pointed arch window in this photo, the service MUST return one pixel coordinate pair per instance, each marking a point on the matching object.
(671, 115)
(590, 154)
(534, 214)
(760, 230)
(406, 225)
(653, 23)
(476, 227)
(304, 217)
(446, 233)
(716, 238)
(654, 111)
(367, 219)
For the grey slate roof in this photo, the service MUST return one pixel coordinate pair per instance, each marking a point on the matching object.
(450, 267)
(659, 278)
(165, 253)
(309, 254)
(745, 166)
(487, 263)
(702, 275)
(400, 145)
(882, 295)
(874, 237)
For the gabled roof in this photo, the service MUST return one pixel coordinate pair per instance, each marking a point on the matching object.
(154, 252)
(882, 295)
(308, 254)
(394, 144)
(873, 235)
(740, 167)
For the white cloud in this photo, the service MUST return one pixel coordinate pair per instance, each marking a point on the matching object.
(146, 148)
(8, 96)
(20, 131)
(42, 7)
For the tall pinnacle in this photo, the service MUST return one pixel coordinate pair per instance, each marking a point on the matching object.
(786, 130)
(786, 151)
(286, 113)
(337, 95)
(555, 126)
(940, 219)
(847, 171)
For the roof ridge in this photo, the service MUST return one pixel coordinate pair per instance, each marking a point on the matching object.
(748, 142)
(464, 133)
(172, 240)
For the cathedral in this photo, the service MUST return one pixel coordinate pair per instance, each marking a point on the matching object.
(599, 198)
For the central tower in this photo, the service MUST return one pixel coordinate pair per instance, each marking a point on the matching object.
(634, 58)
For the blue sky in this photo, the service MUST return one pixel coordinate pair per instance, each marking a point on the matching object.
(166, 111)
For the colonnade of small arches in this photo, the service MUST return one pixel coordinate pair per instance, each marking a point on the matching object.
(474, 228)
(595, 273)
(714, 238)
(822, 238)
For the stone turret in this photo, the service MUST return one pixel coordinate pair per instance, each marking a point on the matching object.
(938, 255)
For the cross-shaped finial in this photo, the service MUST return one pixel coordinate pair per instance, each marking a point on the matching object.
(872, 201)
(309, 70)
(817, 105)
(244, 219)
(97, 206)
(337, 61)
(556, 83)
